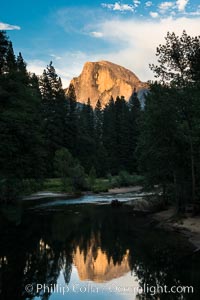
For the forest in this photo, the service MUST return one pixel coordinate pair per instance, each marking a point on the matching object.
(45, 133)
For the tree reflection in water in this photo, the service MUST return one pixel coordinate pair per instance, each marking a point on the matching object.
(103, 243)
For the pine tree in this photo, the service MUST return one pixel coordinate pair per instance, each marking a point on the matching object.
(122, 150)
(101, 155)
(89, 118)
(54, 111)
(71, 126)
(4, 42)
(98, 122)
(135, 116)
(21, 68)
(11, 64)
(86, 142)
(109, 135)
(178, 66)
(71, 96)
(20, 127)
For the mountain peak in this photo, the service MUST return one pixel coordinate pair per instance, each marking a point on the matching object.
(103, 79)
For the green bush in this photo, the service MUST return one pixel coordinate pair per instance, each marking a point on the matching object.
(29, 186)
(101, 186)
(125, 179)
(56, 185)
(92, 177)
(78, 178)
(10, 189)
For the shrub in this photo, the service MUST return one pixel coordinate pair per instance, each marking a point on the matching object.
(78, 178)
(92, 177)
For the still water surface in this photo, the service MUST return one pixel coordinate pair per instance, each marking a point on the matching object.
(79, 249)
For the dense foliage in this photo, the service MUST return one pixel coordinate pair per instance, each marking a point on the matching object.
(42, 129)
(46, 133)
(169, 144)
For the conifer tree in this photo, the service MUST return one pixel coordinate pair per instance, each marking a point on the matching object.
(178, 66)
(86, 143)
(109, 135)
(101, 155)
(122, 131)
(54, 110)
(20, 135)
(98, 121)
(11, 64)
(71, 96)
(135, 116)
(71, 125)
(4, 42)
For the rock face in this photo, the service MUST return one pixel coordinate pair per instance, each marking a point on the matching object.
(103, 79)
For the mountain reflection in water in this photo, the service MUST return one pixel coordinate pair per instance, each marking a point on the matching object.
(90, 244)
(98, 268)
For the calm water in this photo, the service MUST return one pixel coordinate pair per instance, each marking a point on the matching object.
(83, 250)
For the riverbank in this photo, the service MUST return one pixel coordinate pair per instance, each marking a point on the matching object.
(188, 225)
(50, 194)
(47, 194)
(124, 190)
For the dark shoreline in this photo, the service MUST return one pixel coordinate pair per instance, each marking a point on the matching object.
(163, 219)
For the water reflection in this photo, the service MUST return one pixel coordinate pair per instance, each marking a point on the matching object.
(96, 267)
(90, 243)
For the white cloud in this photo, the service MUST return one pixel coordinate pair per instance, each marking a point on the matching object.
(69, 66)
(4, 26)
(136, 3)
(193, 13)
(154, 14)
(136, 41)
(56, 57)
(36, 66)
(148, 4)
(181, 4)
(119, 7)
(141, 39)
(164, 6)
(96, 34)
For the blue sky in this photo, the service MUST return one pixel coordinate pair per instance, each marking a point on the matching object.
(72, 32)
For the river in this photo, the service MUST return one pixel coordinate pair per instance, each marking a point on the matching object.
(85, 249)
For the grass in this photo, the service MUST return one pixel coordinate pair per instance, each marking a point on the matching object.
(100, 185)
(56, 185)
(124, 179)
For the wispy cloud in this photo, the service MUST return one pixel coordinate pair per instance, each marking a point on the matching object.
(76, 21)
(181, 4)
(148, 3)
(194, 13)
(164, 6)
(96, 34)
(122, 39)
(117, 6)
(139, 49)
(36, 66)
(56, 57)
(68, 66)
(154, 14)
(136, 3)
(5, 26)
